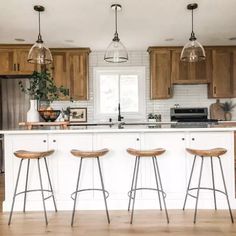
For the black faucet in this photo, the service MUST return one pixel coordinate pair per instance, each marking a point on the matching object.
(119, 115)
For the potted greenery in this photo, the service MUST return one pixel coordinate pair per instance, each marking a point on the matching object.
(41, 87)
(227, 107)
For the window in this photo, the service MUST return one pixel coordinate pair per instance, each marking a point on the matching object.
(119, 85)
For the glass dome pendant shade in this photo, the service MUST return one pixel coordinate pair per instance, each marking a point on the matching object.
(39, 53)
(116, 51)
(193, 51)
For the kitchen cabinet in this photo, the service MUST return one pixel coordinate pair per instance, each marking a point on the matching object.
(70, 69)
(223, 81)
(58, 69)
(190, 73)
(13, 60)
(78, 74)
(160, 73)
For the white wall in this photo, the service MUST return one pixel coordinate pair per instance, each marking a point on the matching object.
(184, 95)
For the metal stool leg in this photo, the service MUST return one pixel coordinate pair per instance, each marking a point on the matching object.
(135, 187)
(26, 184)
(77, 186)
(163, 197)
(50, 183)
(132, 185)
(213, 183)
(155, 171)
(226, 193)
(14, 196)
(189, 182)
(198, 190)
(41, 185)
(103, 189)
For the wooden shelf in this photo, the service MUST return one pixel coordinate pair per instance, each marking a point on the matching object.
(29, 125)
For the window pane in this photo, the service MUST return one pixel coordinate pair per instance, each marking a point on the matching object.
(109, 93)
(129, 93)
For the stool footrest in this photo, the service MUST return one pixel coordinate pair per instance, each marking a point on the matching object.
(153, 189)
(35, 190)
(90, 189)
(204, 188)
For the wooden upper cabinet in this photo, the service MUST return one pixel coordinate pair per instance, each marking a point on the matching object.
(223, 81)
(13, 61)
(160, 73)
(7, 58)
(78, 74)
(59, 70)
(190, 73)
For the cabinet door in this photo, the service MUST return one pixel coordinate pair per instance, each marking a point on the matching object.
(172, 166)
(59, 71)
(7, 61)
(222, 85)
(78, 72)
(190, 73)
(160, 74)
(22, 65)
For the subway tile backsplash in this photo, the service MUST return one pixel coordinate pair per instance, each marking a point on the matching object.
(184, 95)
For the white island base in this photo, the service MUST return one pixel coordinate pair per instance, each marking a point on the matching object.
(117, 167)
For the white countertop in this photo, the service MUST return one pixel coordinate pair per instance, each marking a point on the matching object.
(116, 129)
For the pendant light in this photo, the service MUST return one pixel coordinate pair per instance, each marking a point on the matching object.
(116, 51)
(193, 51)
(39, 53)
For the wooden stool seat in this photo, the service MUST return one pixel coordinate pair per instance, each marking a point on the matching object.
(87, 154)
(215, 152)
(23, 154)
(145, 153)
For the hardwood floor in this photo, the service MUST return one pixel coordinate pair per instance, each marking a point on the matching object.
(93, 223)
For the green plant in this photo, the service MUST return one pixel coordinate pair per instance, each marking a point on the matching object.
(42, 87)
(227, 106)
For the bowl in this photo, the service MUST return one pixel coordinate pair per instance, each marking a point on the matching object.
(49, 115)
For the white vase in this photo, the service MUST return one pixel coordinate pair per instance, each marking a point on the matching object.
(32, 114)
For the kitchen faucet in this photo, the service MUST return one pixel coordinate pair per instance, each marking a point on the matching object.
(119, 115)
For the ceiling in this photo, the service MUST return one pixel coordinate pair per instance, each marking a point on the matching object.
(141, 23)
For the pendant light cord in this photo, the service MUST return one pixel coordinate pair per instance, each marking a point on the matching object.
(116, 37)
(192, 37)
(40, 40)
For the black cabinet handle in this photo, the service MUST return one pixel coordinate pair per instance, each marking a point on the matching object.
(54, 140)
(193, 139)
(214, 89)
(137, 139)
(169, 91)
(18, 67)
(183, 139)
(44, 141)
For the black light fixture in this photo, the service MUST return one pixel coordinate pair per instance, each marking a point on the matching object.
(39, 53)
(193, 51)
(116, 51)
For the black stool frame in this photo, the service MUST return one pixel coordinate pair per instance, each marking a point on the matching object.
(204, 188)
(74, 195)
(132, 192)
(33, 190)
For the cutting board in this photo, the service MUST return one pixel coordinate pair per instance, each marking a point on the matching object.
(216, 111)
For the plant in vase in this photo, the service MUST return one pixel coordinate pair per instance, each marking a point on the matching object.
(228, 107)
(41, 87)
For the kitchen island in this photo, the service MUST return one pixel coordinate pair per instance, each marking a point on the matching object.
(117, 165)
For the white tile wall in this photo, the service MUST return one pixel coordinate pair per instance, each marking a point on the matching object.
(184, 95)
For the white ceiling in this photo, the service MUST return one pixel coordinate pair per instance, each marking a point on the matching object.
(142, 23)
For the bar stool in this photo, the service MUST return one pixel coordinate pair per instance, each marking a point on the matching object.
(29, 155)
(216, 152)
(89, 154)
(132, 193)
